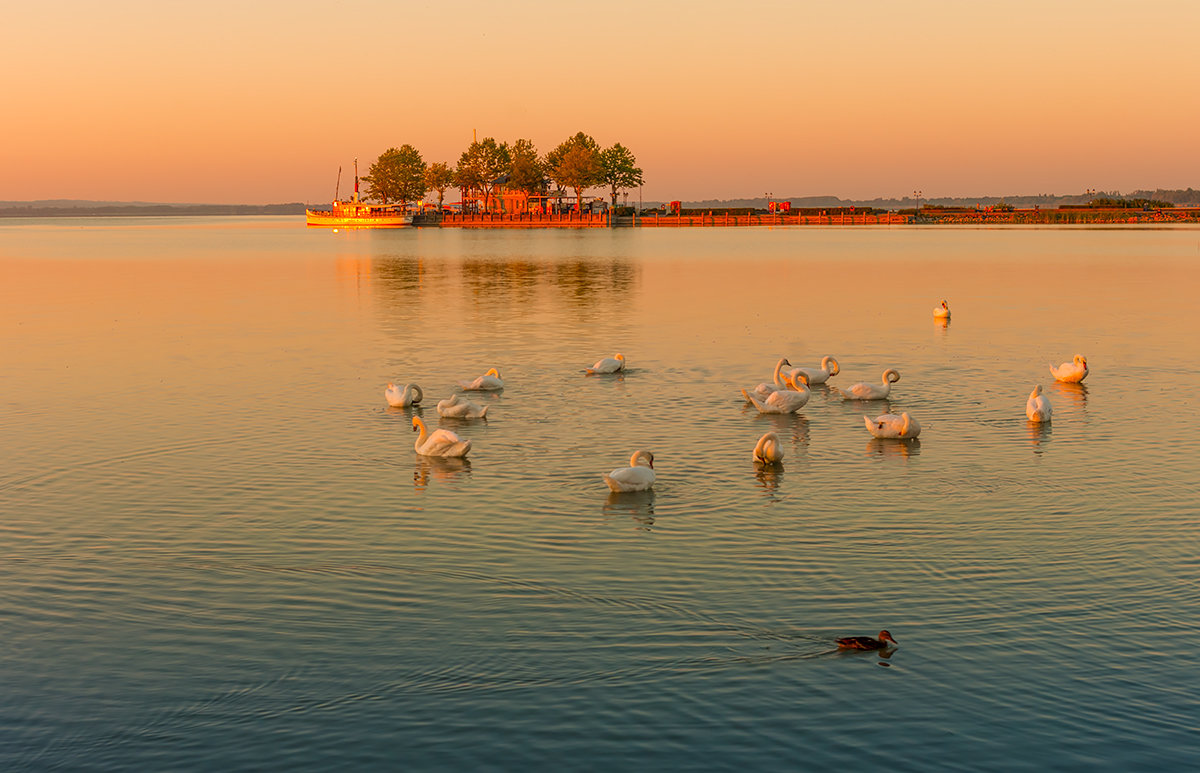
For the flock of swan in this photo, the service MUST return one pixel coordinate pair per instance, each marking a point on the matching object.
(787, 392)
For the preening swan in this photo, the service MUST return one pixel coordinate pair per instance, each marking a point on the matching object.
(459, 407)
(762, 390)
(614, 364)
(488, 382)
(768, 450)
(638, 476)
(942, 312)
(787, 400)
(829, 367)
(865, 391)
(411, 394)
(442, 442)
(1037, 408)
(889, 425)
(1071, 372)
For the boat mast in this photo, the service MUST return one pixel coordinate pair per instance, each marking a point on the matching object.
(338, 186)
(356, 181)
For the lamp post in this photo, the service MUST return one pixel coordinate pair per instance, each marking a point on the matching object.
(917, 211)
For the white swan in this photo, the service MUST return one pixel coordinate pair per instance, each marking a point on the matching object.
(865, 391)
(411, 394)
(788, 400)
(1071, 372)
(889, 425)
(829, 367)
(768, 450)
(1037, 408)
(762, 390)
(459, 407)
(442, 442)
(942, 312)
(488, 382)
(614, 364)
(638, 476)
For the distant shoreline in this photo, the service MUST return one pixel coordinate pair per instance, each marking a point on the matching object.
(152, 210)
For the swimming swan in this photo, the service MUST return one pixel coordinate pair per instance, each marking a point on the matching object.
(459, 407)
(768, 450)
(1037, 408)
(829, 367)
(942, 312)
(488, 382)
(411, 394)
(889, 425)
(864, 391)
(442, 442)
(787, 400)
(762, 390)
(1072, 372)
(614, 364)
(638, 476)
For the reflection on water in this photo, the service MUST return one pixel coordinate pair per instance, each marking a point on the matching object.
(768, 475)
(1075, 395)
(438, 468)
(1039, 434)
(638, 505)
(579, 282)
(894, 447)
(941, 325)
(789, 426)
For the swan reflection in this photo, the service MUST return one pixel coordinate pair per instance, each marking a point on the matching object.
(638, 505)
(438, 468)
(769, 475)
(894, 447)
(787, 425)
(1074, 394)
(1039, 434)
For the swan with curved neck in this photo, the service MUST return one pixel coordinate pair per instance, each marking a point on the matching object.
(458, 407)
(889, 425)
(441, 442)
(411, 394)
(762, 390)
(829, 367)
(1072, 372)
(1037, 407)
(614, 364)
(638, 476)
(867, 391)
(942, 312)
(488, 382)
(768, 449)
(790, 399)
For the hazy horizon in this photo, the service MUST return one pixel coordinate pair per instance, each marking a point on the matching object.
(232, 104)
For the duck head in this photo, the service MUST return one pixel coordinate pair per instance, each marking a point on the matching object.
(885, 636)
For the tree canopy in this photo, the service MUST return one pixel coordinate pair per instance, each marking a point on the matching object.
(575, 164)
(438, 177)
(619, 169)
(397, 175)
(480, 164)
(526, 172)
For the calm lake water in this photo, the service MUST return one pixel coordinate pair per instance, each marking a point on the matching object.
(218, 549)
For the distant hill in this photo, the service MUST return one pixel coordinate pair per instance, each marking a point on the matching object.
(1180, 198)
(77, 208)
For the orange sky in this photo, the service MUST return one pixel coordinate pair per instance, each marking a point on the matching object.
(260, 102)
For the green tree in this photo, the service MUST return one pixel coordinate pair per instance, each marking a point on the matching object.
(575, 164)
(480, 165)
(619, 169)
(526, 172)
(438, 177)
(397, 175)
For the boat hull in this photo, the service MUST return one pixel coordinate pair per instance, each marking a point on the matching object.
(324, 218)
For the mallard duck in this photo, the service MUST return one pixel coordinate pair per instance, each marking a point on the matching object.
(866, 642)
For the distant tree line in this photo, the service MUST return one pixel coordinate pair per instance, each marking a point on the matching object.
(577, 164)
